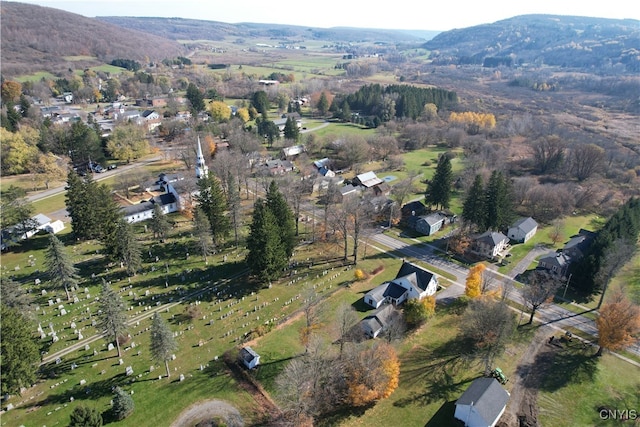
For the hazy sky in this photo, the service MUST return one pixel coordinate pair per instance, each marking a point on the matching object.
(437, 15)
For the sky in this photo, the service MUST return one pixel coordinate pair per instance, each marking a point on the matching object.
(441, 15)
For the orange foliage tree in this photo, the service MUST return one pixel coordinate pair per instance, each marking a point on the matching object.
(372, 374)
(618, 323)
(473, 288)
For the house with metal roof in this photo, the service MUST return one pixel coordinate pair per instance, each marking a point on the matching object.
(379, 321)
(482, 404)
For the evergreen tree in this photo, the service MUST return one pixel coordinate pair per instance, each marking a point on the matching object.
(267, 257)
(79, 210)
(323, 104)
(14, 296)
(113, 318)
(345, 111)
(60, 268)
(213, 203)
(498, 207)
(260, 101)
(277, 204)
(123, 405)
(473, 207)
(291, 130)
(195, 97)
(439, 188)
(128, 248)
(202, 232)
(83, 416)
(234, 206)
(19, 351)
(160, 225)
(163, 345)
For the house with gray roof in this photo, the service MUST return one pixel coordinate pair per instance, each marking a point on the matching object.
(482, 404)
(379, 321)
(430, 224)
(411, 282)
(557, 263)
(522, 230)
(490, 244)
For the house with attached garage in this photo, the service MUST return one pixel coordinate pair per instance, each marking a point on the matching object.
(482, 404)
(522, 230)
(411, 282)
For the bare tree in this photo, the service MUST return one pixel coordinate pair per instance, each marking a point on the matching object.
(126, 181)
(539, 291)
(548, 153)
(586, 160)
(345, 320)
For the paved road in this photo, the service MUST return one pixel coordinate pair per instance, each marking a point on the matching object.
(552, 315)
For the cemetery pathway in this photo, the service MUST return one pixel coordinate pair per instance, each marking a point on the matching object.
(207, 411)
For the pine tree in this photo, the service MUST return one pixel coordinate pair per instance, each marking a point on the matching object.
(128, 248)
(78, 208)
(498, 206)
(113, 320)
(291, 130)
(83, 416)
(277, 204)
(123, 404)
(202, 232)
(439, 188)
(160, 225)
(267, 257)
(163, 345)
(62, 273)
(195, 97)
(14, 296)
(234, 206)
(19, 351)
(473, 207)
(213, 202)
(323, 104)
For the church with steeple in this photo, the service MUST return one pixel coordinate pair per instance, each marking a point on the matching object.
(201, 166)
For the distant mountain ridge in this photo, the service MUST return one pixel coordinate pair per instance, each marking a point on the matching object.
(36, 38)
(193, 29)
(567, 41)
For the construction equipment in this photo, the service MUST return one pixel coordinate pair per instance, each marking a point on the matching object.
(499, 375)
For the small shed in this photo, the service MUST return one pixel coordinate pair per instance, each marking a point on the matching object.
(482, 404)
(249, 357)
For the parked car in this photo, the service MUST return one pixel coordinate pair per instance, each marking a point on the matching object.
(99, 169)
(110, 167)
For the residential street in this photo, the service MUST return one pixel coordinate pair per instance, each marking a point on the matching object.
(553, 315)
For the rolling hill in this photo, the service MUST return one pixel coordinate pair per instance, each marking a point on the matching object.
(40, 38)
(592, 44)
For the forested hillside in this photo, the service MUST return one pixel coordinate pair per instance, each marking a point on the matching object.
(567, 41)
(36, 38)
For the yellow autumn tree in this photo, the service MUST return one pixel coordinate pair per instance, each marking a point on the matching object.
(243, 114)
(473, 288)
(220, 112)
(467, 118)
(618, 323)
(372, 374)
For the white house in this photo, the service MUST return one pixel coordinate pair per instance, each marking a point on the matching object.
(411, 282)
(490, 244)
(482, 404)
(144, 211)
(522, 230)
(250, 358)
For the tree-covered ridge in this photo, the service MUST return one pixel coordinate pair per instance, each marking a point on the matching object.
(386, 103)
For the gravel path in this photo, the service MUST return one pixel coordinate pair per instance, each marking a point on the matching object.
(207, 410)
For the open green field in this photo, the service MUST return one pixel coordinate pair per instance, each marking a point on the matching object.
(36, 77)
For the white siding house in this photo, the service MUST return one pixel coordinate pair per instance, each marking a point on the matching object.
(482, 404)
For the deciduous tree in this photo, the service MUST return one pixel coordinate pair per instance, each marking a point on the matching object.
(163, 345)
(540, 290)
(219, 111)
(473, 286)
(127, 142)
(488, 325)
(586, 160)
(618, 323)
(372, 374)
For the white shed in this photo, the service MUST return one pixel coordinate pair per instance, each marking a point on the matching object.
(250, 358)
(54, 227)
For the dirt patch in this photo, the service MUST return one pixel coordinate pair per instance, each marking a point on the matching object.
(202, 412)
(522, 409)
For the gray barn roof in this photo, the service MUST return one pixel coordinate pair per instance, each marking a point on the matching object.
(487, 396)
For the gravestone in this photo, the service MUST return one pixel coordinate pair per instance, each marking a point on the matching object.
(86, 347)
(63, 312)
(120, 361)
(129, 371)
(44, 291)
(72, 325)
(83, 382)
(110, 347)
(181, 377)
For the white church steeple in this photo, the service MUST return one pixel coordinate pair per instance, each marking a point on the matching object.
(201, 167)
